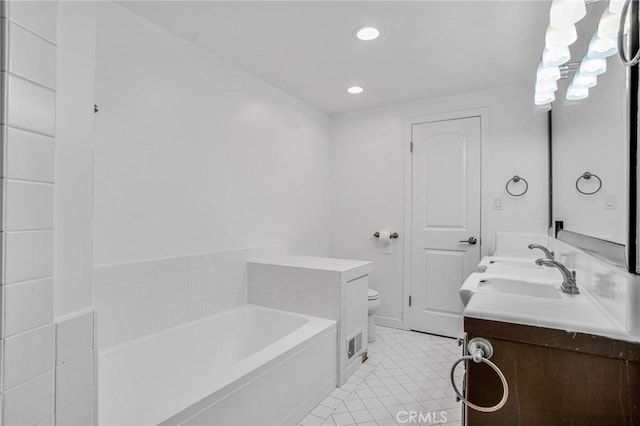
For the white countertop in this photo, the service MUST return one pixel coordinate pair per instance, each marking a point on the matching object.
(572, 313)
(577, 313)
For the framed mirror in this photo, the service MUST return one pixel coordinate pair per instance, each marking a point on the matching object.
(593, 148)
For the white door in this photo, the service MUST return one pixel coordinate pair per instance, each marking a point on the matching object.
(445, 221)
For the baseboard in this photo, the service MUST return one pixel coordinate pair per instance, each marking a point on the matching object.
(388, 321)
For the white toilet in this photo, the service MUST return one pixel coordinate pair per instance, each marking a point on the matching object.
(374, 304)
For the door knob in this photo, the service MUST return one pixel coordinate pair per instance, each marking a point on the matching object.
(471, 241)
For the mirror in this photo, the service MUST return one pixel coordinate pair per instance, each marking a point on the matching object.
(589, 147)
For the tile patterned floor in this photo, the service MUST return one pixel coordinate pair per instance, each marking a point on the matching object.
(406, 372)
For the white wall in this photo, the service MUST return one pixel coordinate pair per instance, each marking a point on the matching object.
(193, 155)
(367, 186)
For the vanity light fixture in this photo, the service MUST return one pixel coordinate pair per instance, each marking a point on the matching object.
(566, 12)
(602, 47)
(575, 93)
(581, 79)
(547, 73)
(367, 33)
(560, 34)
(546, 86)
(555, 57)
(608, 24)
(594, 66)
(544, 98)
(557, 38)
(355, 90)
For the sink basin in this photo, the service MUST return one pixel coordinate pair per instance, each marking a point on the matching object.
(519, 287)
(494, 282)
(511, 262)
(532, 270)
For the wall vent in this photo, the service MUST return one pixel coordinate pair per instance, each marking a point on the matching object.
(354, 344)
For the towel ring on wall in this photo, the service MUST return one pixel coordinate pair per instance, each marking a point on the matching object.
(587, 176)
(517, 179)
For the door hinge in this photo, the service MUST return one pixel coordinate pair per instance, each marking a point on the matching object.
(409, 300)
(411, 147)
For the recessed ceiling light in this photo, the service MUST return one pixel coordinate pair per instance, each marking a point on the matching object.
(355, 90)
(367, 33)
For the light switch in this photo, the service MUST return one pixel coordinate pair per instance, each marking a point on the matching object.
(610, 202)
(497, 203)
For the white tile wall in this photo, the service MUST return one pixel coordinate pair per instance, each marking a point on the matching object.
(39, 16)
(27, 355)
(31, 56)
(74, 336)
(50, 421)
(29, 156)
(76, 368)
(27, 305)
(29, 205)
(74, 379)
(78, 413)
(28, 255)
(136, 299)
(30, 106)
(28, 345)
(30, 403)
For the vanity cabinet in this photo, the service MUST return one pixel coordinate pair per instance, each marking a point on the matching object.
(555, 377)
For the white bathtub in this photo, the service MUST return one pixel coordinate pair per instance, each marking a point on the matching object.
(248, 366)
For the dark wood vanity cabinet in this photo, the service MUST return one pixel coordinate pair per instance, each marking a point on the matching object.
(555, 377)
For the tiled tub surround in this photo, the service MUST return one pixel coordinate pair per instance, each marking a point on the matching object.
(246, 366)
(27, 132)
(136, 299)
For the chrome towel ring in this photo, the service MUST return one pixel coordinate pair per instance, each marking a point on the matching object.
(587, 176)
(481, 350)
(517, 179)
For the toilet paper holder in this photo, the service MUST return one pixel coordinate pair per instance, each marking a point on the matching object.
(394, 235)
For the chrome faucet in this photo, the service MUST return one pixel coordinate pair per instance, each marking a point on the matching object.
(569, 285)
(548, 254)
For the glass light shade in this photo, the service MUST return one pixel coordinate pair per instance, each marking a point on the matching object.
(594, 66)
(547, 73)
(584, 80)
(615, 6)
(543, 98)
(602, 47)
(546, 86)
(355, 90)
(557, 38)
(608, 25)
(566, 12)
(556, 57)
(575, 93)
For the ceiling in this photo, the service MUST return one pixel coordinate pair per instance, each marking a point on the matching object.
(306, 48)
